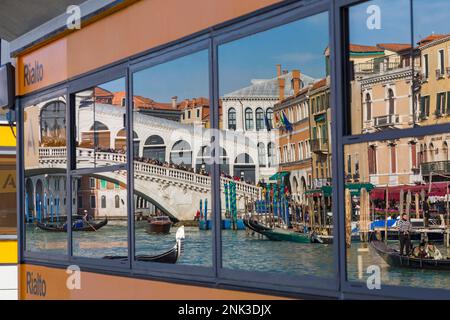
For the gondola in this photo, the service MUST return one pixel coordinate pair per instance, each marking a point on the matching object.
(277, 234)
(170, 256)
(84, 226)
(394, 259)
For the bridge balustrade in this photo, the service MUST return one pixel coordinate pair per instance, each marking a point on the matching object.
(86, 155)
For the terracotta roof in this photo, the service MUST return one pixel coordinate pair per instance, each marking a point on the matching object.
(100, 92)
(431, 38)
(194, 102)
(395, 47)
(319, 84)
(363, 48)
(143, 102)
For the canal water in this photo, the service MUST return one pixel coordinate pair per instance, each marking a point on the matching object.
(240, 251)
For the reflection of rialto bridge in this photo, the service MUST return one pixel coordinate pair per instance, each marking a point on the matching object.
(176, 192)
(171, 141)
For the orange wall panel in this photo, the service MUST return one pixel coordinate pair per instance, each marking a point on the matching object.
(50, 283)
(52, 58)
(141, 26)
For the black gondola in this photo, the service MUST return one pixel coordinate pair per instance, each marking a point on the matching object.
(170, 256)
(394, 259)
(86, 226)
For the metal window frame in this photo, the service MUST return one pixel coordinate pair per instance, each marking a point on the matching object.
(216, 276)
(327, 286)
(349, 287)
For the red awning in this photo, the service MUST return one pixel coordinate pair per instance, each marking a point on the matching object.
(437, 189)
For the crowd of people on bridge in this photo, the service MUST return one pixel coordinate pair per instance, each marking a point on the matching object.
(172, 165)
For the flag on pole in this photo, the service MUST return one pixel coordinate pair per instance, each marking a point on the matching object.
(286, 122)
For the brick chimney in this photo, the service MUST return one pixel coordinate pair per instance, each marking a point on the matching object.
(278, 70)
(296, 82)
(174, 102)
(281, 83)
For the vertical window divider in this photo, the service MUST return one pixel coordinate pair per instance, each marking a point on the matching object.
(130, 165)
(413, 71)
(70, 153)
(215, 176)
(339, 52)
(20, 174)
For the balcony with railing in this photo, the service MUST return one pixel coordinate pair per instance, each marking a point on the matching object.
(435, 167)
(387, 120)
(383, 65)
(319, 145)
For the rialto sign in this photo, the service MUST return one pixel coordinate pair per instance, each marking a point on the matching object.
(33, 73)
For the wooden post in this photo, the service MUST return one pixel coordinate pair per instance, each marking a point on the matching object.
(364, 215)
(348, 218)
(417, 204)
(447, 222)
(400, 207)
(386, 215)
(319, 211)
(408, 204)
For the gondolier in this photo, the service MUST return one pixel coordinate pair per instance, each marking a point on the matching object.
(404, 229)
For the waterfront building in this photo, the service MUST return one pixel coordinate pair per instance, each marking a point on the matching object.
(249, 110)
(434, 106)
(320, 128)
(294, 145)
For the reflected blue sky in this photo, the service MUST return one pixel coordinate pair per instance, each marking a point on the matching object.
(297, 45)
(430, 16)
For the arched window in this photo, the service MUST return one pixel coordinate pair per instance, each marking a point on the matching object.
(244, 167)
(99, 126)
(271, 154)
(231, 119)
(269, 115)
(432, 152)
(248, 119)
(117, 201)
(300, 151)
(391, 101)
(120, 142)
(445, 150)
(203, 161)
(154, 148)
(259, 119)
(53, 121)
(368, 106)
(103, 202)
(261, 154)
(181, 153)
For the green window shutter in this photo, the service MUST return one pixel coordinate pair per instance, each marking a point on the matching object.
(438, 103)
(422, 106)
(448, 102)
(103, 184)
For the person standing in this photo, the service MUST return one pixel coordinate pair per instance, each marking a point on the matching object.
(426, 213)
(404, 230)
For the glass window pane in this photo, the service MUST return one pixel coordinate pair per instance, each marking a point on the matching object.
(381, 67)
(99, 218)
(432, 41)
(385, 182)
(172, 187)
(265, 78)
(100, 125)
(45, 168)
